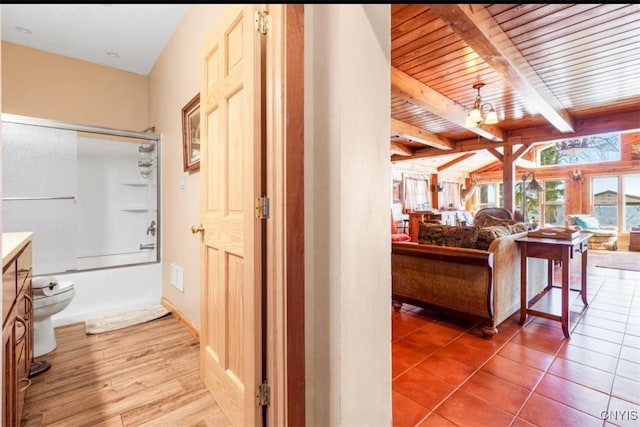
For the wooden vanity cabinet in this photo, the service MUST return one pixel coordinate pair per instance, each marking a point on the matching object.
(17, 334)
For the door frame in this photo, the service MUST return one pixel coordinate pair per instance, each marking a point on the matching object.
(285, 338)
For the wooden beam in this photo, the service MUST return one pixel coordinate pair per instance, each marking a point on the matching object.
(420, 135)
(475, 25)
(400, 150)
(406, 87)
(455, 161)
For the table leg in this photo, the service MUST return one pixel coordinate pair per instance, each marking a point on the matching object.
(583, 276)
(566, 284)
(524, 304)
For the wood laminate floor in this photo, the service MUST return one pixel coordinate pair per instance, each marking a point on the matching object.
(143, 375)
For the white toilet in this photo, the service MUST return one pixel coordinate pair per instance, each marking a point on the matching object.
(50, 296)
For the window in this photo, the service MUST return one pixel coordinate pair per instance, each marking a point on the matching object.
(416, 193)
(588, 149)
(490, 195)
(553, 203)
(631, 185)
(605, 200)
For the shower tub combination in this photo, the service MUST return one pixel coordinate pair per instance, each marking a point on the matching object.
(90, 195)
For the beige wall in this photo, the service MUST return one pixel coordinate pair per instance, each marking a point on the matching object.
(48, 86)
(173, 81)
(347, 187)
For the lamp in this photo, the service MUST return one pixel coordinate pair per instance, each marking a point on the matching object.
(576, 175)
(533, 185)
(477, 116)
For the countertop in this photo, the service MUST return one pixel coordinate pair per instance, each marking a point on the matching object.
(12, 243)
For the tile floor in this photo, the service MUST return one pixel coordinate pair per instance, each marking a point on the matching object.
(445, 374)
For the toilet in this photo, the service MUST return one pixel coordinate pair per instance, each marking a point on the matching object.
(50, 296)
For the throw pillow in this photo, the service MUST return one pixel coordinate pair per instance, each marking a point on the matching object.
(431, 234)
(461, 237)
(486, 235)
(491, 221)
(588, 222)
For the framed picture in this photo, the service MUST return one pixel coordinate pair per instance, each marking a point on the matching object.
(397, 191)
(191, 134)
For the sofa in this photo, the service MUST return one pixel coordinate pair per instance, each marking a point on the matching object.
(604, 236)
(464, 278)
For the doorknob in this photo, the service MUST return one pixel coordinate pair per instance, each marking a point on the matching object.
(197, 229)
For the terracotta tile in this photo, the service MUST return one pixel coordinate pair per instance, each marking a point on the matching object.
(500, 393)
(627, 389)
(435, 420)
(513, 372)
(595, 314)
(406, 412)
(474, 339)
(632, 341)
(630, 353)
(542, 411)
(465, 409)
(422, 387)
(465, 354)
(411, 319)
(594, 359)
(447, 369)
(628, 369)
(400, 329)
(404, 356)
(442, 333)
(571, 394)
(527, 356)
(426, 341)
(623, 413)
(582, 374)
(600, 333)
(519, 422)
(595, 344)
(539, 339)
(610, 325)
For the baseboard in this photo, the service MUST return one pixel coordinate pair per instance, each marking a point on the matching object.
(193, 330)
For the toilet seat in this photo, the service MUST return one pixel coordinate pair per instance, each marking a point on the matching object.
(62, 286)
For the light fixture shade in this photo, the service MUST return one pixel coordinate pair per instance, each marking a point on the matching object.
(475, 115)
(491, 117)
(534, 185)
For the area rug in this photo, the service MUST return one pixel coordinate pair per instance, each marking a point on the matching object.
(620, 261)
(119, 321)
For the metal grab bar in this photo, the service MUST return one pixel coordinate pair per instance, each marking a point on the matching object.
(147, 246)
(9, 199)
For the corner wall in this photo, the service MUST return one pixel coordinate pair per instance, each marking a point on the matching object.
(347, 187)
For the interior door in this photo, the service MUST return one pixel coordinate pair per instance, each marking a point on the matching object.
(231, 168)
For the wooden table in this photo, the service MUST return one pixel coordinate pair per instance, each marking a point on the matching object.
(553, 250)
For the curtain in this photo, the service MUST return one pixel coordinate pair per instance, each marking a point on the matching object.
(416, 193)
(451, 195)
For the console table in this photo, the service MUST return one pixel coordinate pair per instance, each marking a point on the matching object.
(553, 250)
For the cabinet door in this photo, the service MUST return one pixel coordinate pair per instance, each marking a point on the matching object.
(9, 384)
(9, 287)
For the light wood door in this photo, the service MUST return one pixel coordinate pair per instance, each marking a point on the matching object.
(231, 168)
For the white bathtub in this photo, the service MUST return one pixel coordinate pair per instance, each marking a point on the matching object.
(111, 291)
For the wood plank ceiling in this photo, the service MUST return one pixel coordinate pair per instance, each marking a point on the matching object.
(551, 71)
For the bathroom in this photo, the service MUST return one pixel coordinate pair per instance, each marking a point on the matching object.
(90, 195)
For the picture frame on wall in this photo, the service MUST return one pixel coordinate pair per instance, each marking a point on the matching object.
(191, 134)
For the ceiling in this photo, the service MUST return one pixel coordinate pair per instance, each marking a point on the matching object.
(137, 33)
(551, 71)
(548, 69)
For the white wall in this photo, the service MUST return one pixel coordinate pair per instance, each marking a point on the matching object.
(347, 187)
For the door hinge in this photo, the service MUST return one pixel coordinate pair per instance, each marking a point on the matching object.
(263, 394)
(262, 207)
(261, 20)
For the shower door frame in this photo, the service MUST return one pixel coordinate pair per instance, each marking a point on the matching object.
(56, 124)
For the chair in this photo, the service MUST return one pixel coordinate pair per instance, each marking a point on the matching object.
(483, 214)
(604, 236)
(395, 236)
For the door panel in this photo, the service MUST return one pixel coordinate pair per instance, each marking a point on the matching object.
(231, 328)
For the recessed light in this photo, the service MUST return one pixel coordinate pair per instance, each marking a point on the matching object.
(23, 30)
(113, 54)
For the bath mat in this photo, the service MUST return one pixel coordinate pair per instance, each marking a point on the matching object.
(111, 323)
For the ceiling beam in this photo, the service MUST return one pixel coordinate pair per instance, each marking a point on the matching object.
(406, 87)
(419, 135)
(400, 150)
(474, 24)
(455, 161)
